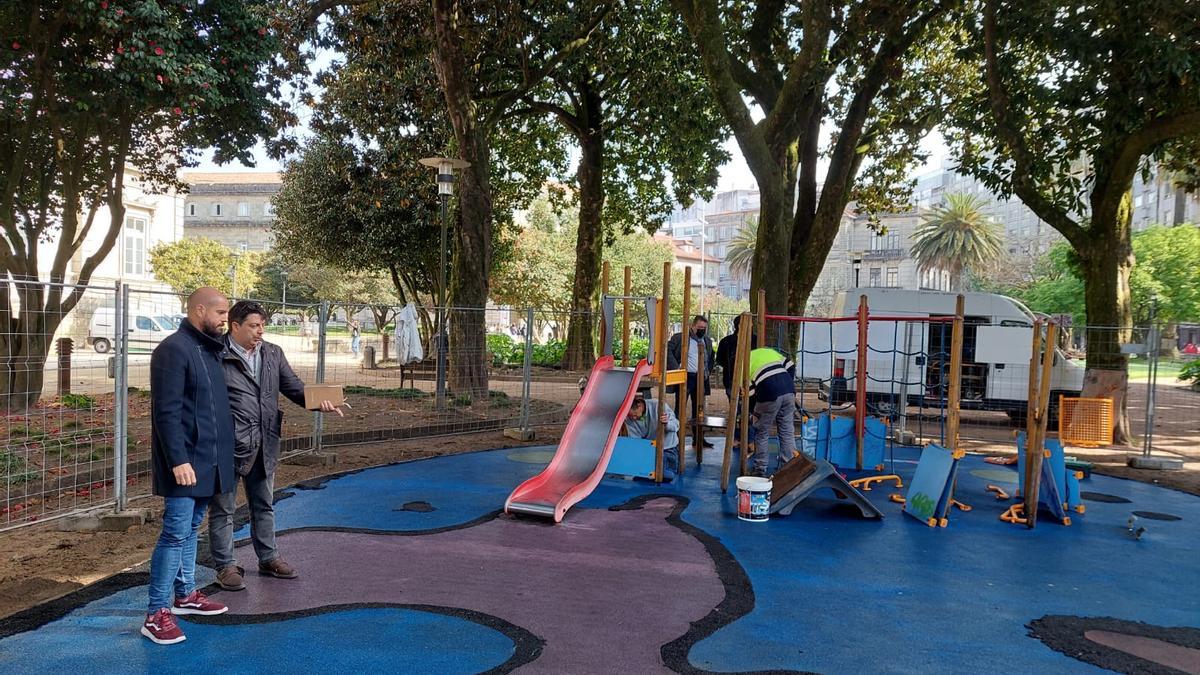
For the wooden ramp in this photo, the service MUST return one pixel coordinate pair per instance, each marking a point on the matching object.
(799, 478)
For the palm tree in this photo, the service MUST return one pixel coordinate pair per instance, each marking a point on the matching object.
(956, 237)
(740, 254)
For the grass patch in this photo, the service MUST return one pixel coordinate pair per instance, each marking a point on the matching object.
(78, 401)
(14, 469)
(395, 392)
(1168, 371)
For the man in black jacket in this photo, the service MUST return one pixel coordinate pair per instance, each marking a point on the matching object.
(256, 373)
(191, 456)
(700, 360)
(726, 353)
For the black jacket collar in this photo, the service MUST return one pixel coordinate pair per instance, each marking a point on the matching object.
(203, 338)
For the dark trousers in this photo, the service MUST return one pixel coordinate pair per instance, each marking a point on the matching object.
(260, 495)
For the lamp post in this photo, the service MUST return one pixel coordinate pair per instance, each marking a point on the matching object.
(857, 263)
(445, 183)
(233, 269)
(283, 301)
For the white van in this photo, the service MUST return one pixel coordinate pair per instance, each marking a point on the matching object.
(146, 330)
(907, 360)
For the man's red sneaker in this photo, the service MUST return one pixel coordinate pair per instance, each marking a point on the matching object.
(161, 628)
(196, 603)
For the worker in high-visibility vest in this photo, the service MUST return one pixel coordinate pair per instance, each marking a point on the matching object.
(773, 402)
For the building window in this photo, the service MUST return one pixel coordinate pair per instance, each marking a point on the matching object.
(893, 277)
(877, 242)
(135, 245)
(191, 209)
(894, 241)
(268, 209)
(216, 209)
(874, 278)
(243, 209)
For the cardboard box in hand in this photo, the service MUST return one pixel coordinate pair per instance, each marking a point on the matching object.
(315, 393)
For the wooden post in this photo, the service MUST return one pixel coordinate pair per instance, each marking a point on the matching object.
(954, 396)
(741, 355)
(625, 317)
(698, 428)
(664, 316)
(744, 376)
(1033, 483)
(860, 383)
(685, 347)
(1031, 399)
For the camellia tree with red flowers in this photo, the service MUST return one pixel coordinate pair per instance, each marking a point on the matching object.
(96, 95)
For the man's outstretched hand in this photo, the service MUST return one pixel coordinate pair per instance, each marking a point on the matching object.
(327, 406)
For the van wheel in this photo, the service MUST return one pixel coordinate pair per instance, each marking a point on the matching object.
(102, 346)
(885, 408)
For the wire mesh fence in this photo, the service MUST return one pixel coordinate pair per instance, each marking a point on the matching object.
(76, 430)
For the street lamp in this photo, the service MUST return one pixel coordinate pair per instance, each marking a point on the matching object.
(233, 268)
(445, 182)
(283, 301)
(857, 263)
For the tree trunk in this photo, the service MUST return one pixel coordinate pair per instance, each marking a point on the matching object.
(473, 236)
(772, 251)
(1106, 264)
(589, 247)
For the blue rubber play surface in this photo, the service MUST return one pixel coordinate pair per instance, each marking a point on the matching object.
(821, 590)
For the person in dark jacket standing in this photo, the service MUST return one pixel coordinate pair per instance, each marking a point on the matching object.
(192, 457)
(256, 373)
(700, 361)
(726, 354)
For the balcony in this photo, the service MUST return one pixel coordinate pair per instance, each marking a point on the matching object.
(884, 254)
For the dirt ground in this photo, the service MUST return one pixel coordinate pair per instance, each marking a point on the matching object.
(41, 563)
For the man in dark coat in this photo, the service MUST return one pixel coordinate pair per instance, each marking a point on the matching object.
(726, 352)
(192, 457)
(700, 360)
(256, 373)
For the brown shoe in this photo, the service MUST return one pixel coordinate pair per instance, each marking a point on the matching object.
(277, 568)
(230, 578)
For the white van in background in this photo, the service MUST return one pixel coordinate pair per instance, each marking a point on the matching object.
(146, 330)
(908, 360)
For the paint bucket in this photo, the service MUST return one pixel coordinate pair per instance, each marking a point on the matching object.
(754, 498)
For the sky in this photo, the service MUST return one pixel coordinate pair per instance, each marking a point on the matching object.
(734, 174)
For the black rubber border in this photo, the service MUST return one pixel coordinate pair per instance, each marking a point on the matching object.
(1064, 634)
(52, 610)
(739, 592)
(528, 647)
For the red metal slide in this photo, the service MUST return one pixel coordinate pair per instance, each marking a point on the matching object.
(586, 445)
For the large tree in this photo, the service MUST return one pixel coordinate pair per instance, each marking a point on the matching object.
(488, 55)
(1072, 99)
(188, 264)
(646, 141)
(96, 95)
(780, 71)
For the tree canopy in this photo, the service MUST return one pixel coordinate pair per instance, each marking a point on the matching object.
(188, 264)
(98, 94)
(1070, 100)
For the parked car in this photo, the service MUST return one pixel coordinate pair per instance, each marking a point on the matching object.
(146, 330)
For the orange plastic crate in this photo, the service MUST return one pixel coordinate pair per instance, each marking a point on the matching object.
(1085, 421)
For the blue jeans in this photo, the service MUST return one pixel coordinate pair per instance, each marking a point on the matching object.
(354, 343)
(173, 565)
(780, 413)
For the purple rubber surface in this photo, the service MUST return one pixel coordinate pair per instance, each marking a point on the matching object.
(605, 590)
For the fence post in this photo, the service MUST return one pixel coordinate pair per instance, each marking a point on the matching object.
(527, 370)
(121, 396)
(318, 416)
(1146, 460)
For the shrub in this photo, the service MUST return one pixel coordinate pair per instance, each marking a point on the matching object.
(504, 350)
(549, 354)
(1191, 373)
